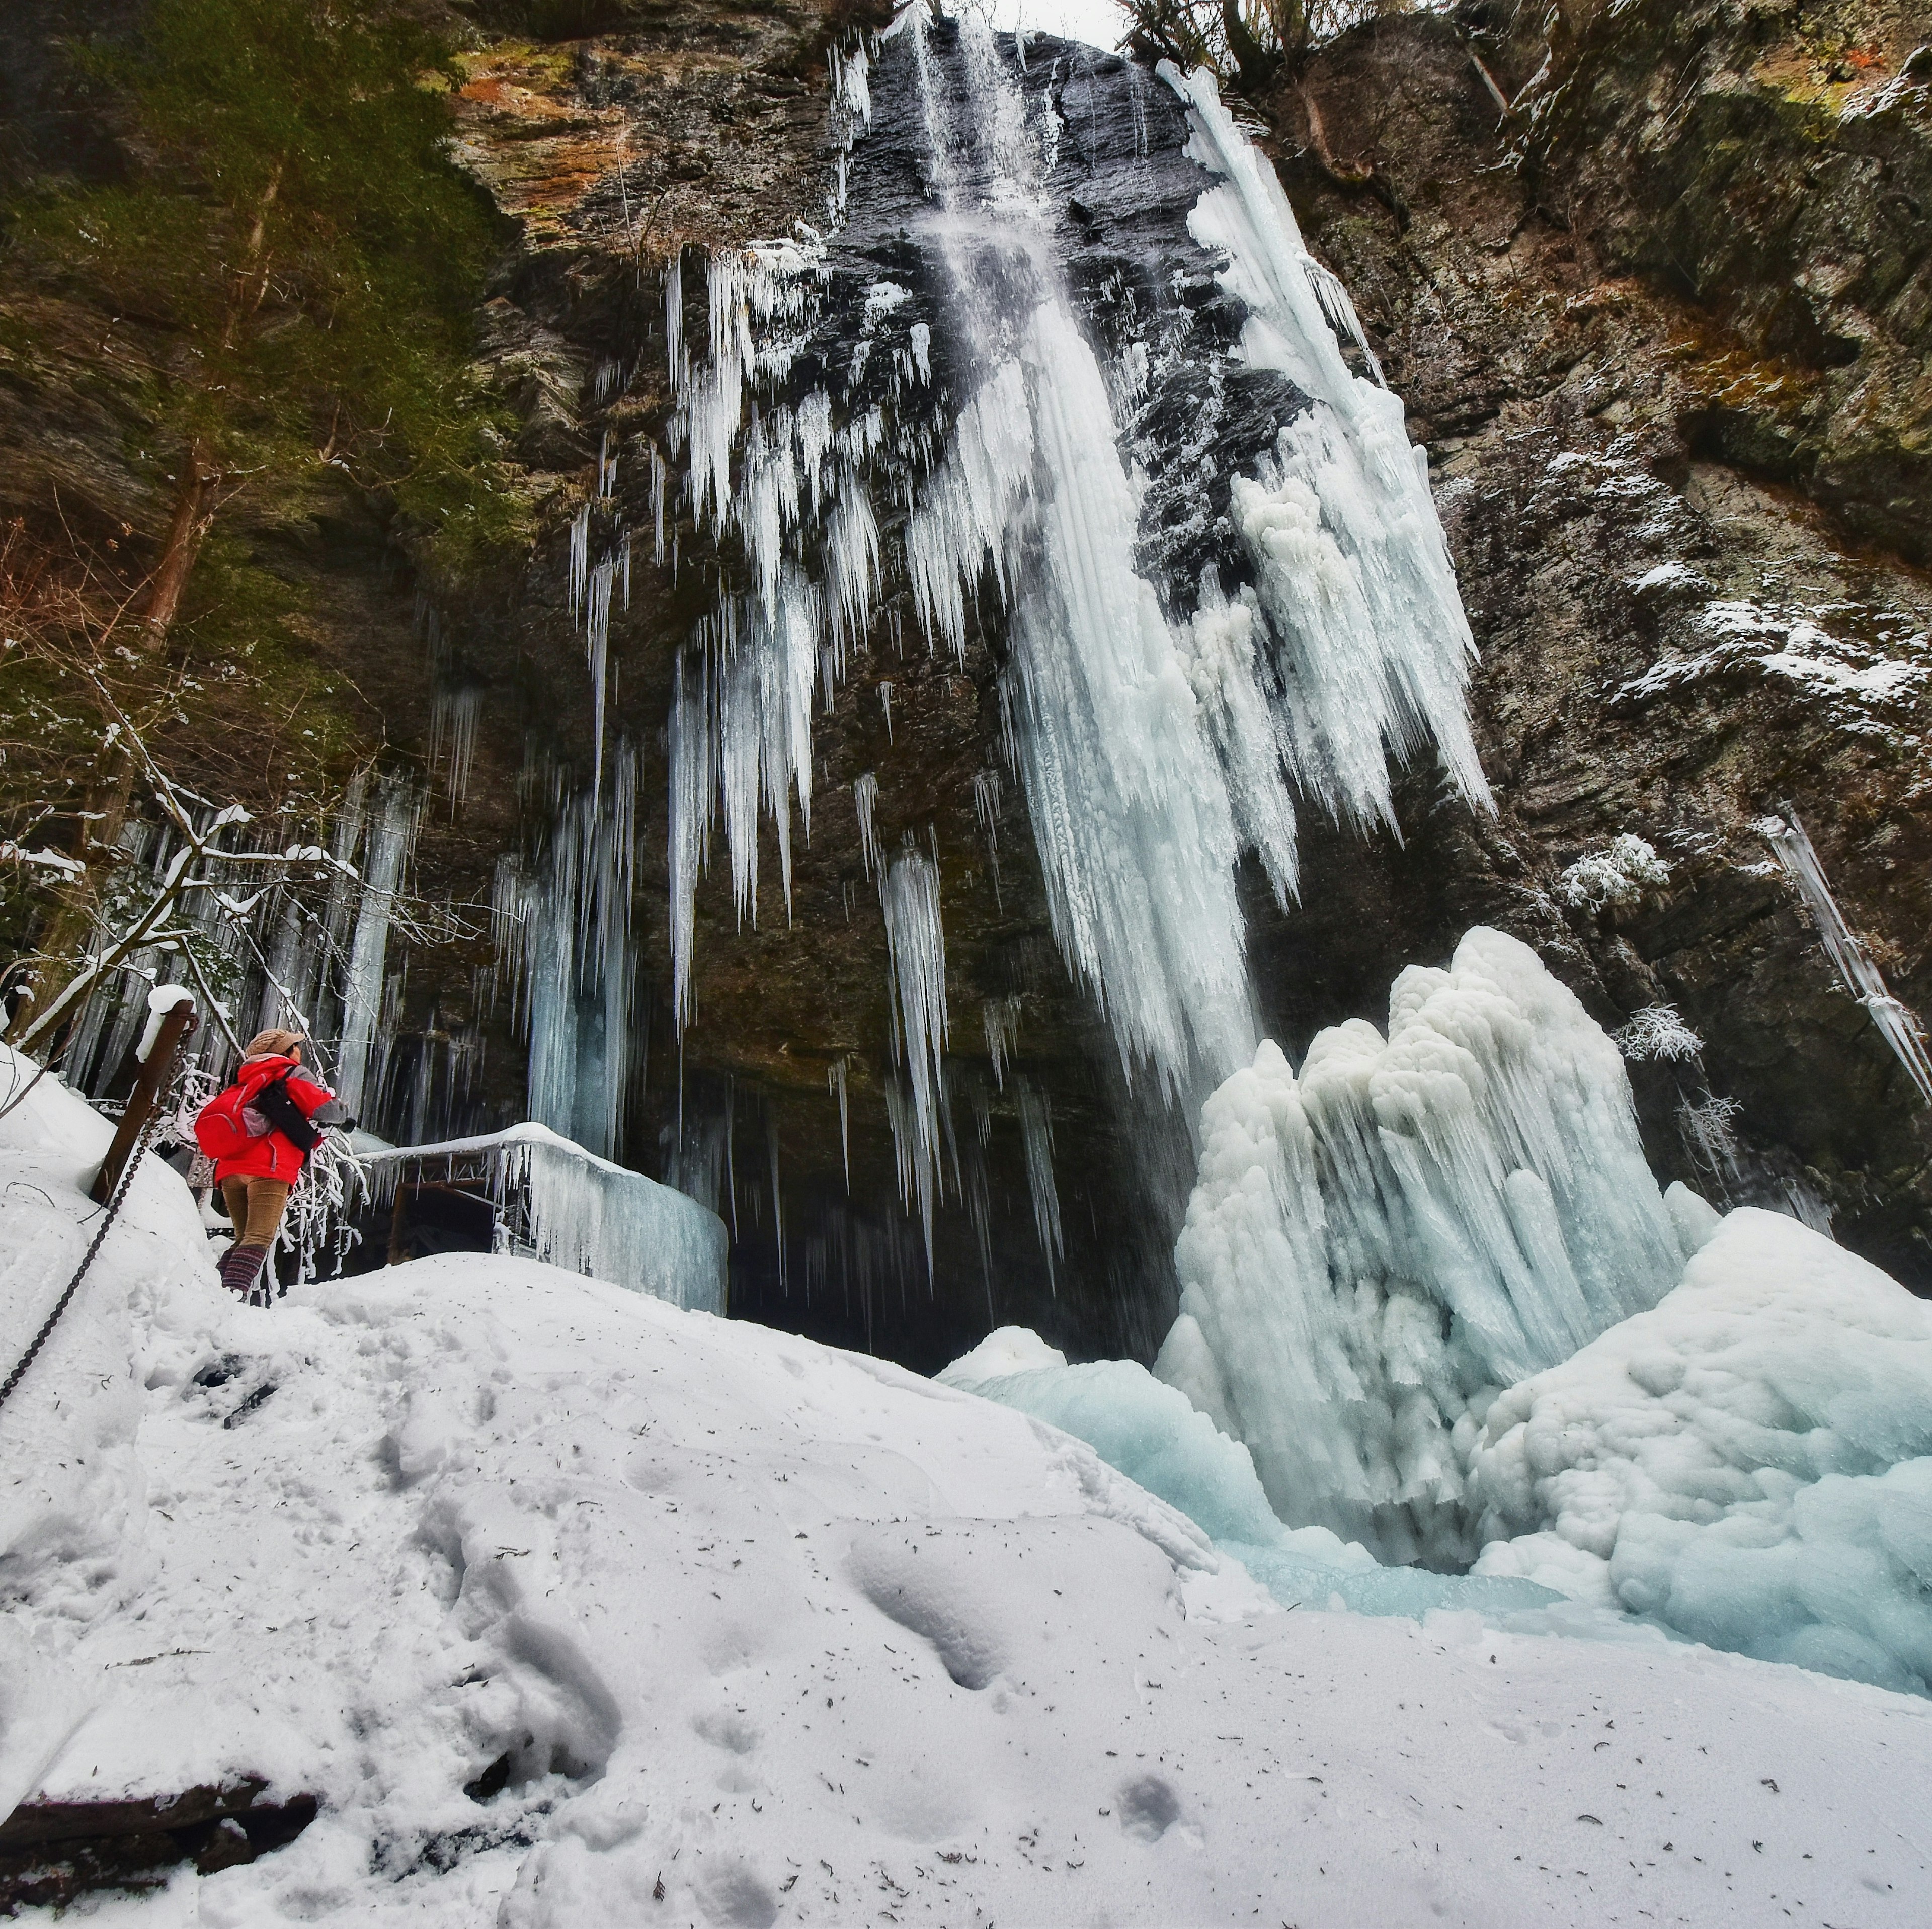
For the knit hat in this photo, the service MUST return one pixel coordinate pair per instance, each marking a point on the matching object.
(272, 1043)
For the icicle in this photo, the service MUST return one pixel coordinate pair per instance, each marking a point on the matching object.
(778, 1199)
(886, 704)
(1857, 971)
(580, 557)
(866, 802)
(916, 945)
(1036, 1131)
(835, 1080)
(1001, 1019)
(453, 719)
(390, 840)
(986, 809)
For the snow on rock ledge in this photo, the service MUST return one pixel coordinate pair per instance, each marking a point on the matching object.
(1749, 1463)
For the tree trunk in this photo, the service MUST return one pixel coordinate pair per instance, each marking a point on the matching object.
(181, 546)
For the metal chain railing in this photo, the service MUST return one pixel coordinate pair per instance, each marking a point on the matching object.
(120, 1193)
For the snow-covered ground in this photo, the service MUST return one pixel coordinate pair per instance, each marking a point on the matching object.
(793, 1636)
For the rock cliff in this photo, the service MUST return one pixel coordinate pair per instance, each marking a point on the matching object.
(1655, 282)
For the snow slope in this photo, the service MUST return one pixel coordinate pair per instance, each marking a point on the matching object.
(803, 1638)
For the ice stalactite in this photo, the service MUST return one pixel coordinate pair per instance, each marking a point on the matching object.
(1036, 1133)
(392, 837)
(915, 942)
(1375, 1247)
(1857, 972)
(453, 719)
(836, 1083)
(999, 1017)
(866, 802)
(563, 920)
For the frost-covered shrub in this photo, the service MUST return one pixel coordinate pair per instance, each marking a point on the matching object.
(1658, 1032)
(1622, 873)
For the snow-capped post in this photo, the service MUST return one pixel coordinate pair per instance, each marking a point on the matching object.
(170, 1018)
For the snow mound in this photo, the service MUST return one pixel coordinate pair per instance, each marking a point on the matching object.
(1749, 1463)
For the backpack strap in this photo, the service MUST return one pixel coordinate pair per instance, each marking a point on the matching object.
(287, 1117)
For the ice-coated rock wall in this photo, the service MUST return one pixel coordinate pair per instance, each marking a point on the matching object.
(1375, 1247)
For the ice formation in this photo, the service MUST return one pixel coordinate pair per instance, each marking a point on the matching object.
(916, 946)
(1151, 750)
(556, 1201)
(1749, 1463)
(1152, 1434)
(390, 838)
(1370, 639)
(1036, 1135)
(1374, 1248)
(1856, 970)
(563, 922)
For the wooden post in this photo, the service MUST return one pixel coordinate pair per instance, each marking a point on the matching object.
(175, 1023)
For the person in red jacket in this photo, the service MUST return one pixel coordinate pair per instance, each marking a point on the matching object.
(255, 1182)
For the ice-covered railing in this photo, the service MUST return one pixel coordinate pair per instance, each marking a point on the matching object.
(554, 1201)
(1374, 1247)
(1856, 969)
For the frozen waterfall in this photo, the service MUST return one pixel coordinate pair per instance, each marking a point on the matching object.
(969, 437)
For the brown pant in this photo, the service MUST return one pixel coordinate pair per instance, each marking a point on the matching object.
(255, 1207)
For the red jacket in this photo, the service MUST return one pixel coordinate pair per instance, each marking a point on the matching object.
(274, 1155)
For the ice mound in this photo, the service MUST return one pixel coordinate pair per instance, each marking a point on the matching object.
(1145, 1430)
(1150, 1431)
(1749, 1463)
(1373, 1249)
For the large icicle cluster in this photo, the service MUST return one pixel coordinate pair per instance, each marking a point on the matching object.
(563, 922)
(1150, 750)
(1375, 1247)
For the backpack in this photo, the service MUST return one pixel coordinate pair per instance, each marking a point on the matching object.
(221, 1131)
